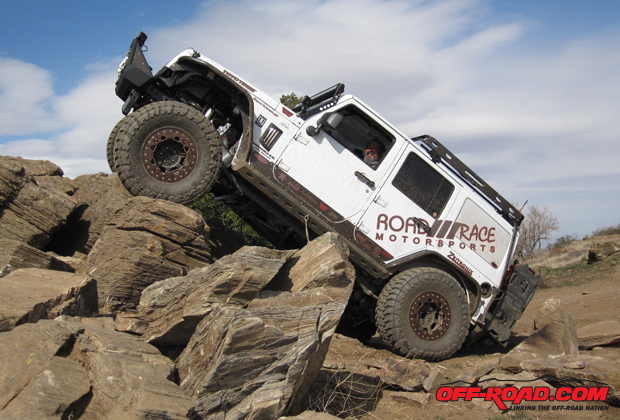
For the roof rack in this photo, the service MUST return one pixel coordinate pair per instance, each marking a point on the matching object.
(439, 152)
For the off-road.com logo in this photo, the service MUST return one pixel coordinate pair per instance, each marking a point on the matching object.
(501, 395)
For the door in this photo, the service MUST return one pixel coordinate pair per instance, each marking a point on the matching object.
(327, 167)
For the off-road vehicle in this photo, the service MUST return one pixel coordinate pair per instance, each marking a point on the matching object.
(431, 241)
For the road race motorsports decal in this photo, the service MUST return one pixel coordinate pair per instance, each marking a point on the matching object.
(473, 229)
(530, 398)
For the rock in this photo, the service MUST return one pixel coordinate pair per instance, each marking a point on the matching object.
(430, 383)
(124, 264)
(36, 200)
(551, 311)
(598, 371)
(575, 365)
(31, 294)
(175, 222)
(174, 307)
(311, 415)
(74, 370)
(556, 336)
(15, 254)
(415, 399)
(12, 178)
(146, 241)
(260, 361)
(15, 172)
(518, 380)
(130, 322)
(472, 376)
(50, 395)
(42, 341)
(401, 373)
(600, 251)
(254, 362)
(320, 263)
(76, 262)
(603, 333)
(103, 322)
(101, 196)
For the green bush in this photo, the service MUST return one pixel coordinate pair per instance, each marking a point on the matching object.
(290, 100)
(215, 210)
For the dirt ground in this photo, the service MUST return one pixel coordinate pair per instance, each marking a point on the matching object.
(590, 294)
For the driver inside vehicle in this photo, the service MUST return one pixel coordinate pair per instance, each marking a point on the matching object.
(373, 153)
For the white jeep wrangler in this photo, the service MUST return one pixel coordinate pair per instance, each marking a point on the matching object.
(431, 241)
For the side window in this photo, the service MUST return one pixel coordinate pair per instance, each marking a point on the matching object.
(362, 135)
(423, 185)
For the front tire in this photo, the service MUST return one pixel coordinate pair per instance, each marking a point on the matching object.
(167, 150)
(423, 313)
(112, 142)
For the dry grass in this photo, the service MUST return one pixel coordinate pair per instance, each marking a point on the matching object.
(344, 394)
(568, 265)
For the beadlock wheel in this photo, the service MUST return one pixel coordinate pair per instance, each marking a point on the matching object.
(169, 155)
(430, 316)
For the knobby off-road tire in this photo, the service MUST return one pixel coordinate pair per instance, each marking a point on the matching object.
(112, 142)
(167, 150)
(423, 313)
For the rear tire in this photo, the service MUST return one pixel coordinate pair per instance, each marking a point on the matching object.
(167, 150)
(423, 313)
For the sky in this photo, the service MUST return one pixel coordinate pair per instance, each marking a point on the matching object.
(525, 92)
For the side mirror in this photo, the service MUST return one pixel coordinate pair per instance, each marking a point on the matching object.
(331, 120)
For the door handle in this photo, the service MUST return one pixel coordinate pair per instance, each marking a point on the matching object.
(365, 179)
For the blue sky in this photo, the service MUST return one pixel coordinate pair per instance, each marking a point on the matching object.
(525, 92)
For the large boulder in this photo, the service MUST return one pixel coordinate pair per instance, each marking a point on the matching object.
(145, 241)
(35, 200)
(556, 336)
(75, 370)
(322, 262)
(174, 307)
(31, 294)
(260, 361)
(100, 196)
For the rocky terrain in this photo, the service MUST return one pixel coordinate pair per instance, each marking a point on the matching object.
(120, 307)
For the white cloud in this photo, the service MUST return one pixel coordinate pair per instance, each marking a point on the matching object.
(26, 94)
(76, 125)
(92, 110)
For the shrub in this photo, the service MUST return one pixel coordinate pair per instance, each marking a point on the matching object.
(610, 230)
(563, 241)
(211, 209)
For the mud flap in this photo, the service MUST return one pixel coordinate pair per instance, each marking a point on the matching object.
(519, 291)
